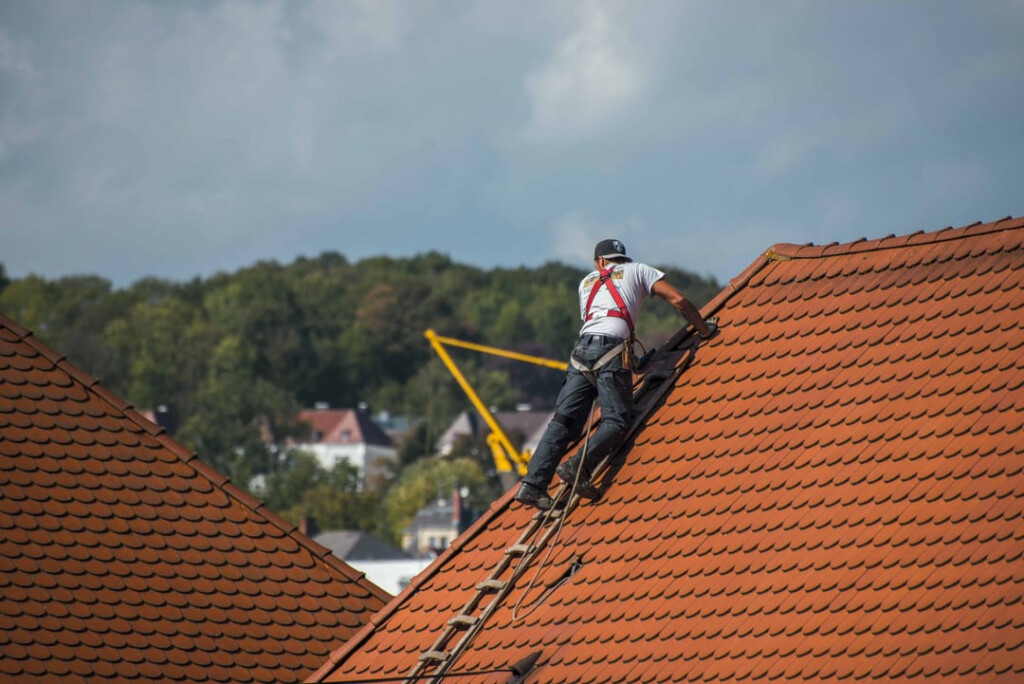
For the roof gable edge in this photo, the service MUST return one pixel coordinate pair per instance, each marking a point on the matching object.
(217, 479)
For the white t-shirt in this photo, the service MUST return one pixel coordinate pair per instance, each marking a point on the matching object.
(633, 281)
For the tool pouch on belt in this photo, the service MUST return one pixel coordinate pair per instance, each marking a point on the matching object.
(628, 358)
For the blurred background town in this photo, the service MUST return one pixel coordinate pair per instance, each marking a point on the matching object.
(312, 385)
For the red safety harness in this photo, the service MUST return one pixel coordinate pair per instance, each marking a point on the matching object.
(605, 278)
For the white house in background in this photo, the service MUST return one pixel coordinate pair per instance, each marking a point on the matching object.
(347, 435)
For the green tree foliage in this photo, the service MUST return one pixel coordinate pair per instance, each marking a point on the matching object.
(70, 314)
(300, 487)
(259, 308)
(237, 355)
(426, 480)
(166, 344)
(233, 409)
(415, 446)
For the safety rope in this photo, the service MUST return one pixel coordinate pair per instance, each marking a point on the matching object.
(551, 542)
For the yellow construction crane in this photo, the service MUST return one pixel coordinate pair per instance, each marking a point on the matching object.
(507, 459)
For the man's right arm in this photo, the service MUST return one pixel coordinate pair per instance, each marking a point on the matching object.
(670, 294)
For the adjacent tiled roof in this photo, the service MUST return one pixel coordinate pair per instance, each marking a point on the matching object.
(344, 426)
(832, 490)
(124, 558)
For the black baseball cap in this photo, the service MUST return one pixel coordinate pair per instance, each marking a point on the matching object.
(611, 249)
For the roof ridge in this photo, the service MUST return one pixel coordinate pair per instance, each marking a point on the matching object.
(220, 481)
(784, 250)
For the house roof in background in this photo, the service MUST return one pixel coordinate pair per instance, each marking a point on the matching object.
(831, 490)
(350, 545)
(344, 426)
(466, 424)
(516, 424)
(439, 513)
(524, 423)
(125, 558)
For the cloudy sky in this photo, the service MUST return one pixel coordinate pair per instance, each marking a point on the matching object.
(183, 138)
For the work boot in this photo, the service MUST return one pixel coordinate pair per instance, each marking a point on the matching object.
(567, 472)
(584, 487)
(533, 496)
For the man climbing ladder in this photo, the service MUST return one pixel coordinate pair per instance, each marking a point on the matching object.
(600, 365)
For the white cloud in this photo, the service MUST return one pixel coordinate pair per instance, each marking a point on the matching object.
(593, 77)
(16, 73)
(358, 26)
(571, 234)
(14, 58)
(207, 135)
(575, 236)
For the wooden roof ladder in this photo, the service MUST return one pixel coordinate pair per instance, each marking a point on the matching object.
(436, 661)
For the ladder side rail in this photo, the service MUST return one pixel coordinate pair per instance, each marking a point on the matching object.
(496, 602)
(473, 602)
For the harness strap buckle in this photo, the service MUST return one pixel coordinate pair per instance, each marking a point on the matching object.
(590, 372)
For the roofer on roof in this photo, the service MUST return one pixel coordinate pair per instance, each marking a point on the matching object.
(600, 365)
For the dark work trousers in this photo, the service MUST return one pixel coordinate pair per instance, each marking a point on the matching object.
(615, 393)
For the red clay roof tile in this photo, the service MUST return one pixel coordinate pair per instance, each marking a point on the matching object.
(830, 491)
(125, 558)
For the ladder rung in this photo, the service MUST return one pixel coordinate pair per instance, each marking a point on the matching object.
(491, 585)
(551, 515)
(518, 550)
(437, 656)
(463, 621)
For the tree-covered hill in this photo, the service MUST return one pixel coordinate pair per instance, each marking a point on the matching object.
(237, 350)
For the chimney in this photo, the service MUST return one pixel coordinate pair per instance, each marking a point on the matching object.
(307, 526)
(462, 515)
(456, 508)
(167, 418)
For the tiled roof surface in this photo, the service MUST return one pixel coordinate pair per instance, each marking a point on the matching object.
(124, 558)
(831, 491)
